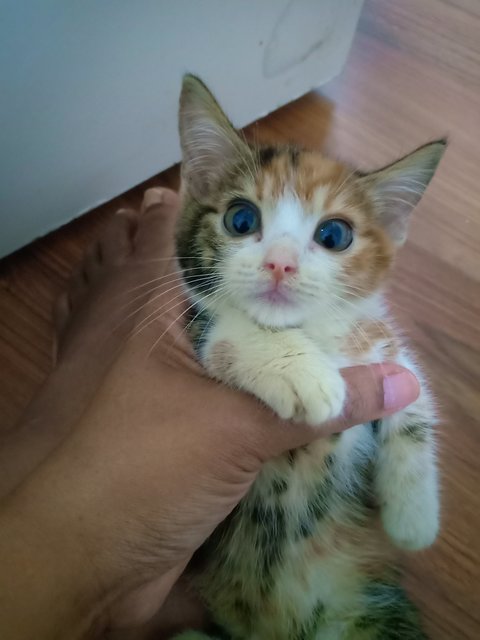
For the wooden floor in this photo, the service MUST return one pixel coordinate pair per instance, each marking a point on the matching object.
(413, 75)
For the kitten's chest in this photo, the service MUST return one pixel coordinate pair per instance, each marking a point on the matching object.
(363, 337)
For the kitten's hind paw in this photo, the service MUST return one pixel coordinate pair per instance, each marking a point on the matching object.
(412, 526)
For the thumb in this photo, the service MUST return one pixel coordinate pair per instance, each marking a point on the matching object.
(373, 392)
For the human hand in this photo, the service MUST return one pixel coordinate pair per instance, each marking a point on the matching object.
(159, 459)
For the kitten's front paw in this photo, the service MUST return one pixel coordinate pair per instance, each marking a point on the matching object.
(322, 397)
(303, 391)
(412, 525)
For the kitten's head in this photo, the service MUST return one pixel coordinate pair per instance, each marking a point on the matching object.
(280, 232)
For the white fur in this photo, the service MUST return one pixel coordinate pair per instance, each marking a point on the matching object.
(286, 219)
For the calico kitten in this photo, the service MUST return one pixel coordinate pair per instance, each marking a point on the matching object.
(285, 253)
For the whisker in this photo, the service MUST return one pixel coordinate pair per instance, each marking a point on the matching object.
(203, 280)
(181, 283)
(186, 328)
(340, 186)
(146, 322)
(181, 294)
(195, 278)
(175, 257)
(176, 320)
(159, 278)
(378, 323)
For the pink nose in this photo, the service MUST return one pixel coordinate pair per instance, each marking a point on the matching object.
(281, 268)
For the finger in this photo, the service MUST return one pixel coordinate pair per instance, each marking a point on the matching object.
(183, 609)
(143, 604)
(373, 391)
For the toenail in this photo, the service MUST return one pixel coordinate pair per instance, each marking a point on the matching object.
(154, 196)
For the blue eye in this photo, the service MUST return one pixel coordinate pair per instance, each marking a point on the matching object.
(334, 234)
(242, 218)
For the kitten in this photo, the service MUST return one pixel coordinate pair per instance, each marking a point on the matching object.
(285, 253)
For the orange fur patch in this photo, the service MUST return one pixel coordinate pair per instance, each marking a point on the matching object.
(367, 543)
(310, 171)
(365, 268)
(273, 179)
(315, 171)
(369, 335)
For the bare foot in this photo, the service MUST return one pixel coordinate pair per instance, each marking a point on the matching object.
(93, 320)
(111, 297)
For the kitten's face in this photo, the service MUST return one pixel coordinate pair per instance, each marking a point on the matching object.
(294, 237)
(284, 234)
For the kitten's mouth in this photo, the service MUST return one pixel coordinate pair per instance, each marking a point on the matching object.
(275, 296)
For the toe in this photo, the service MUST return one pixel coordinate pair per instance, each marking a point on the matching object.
(116, 243)
(156, 226)
(93, 262)
(77, 286)
(159, 196)
(61, 317)
(61, 312)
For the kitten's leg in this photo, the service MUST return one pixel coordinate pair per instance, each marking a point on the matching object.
(389, 615)
(406, 475)
(283, 368)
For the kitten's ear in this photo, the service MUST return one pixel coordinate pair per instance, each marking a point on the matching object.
(397, 188)
(210, 144)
